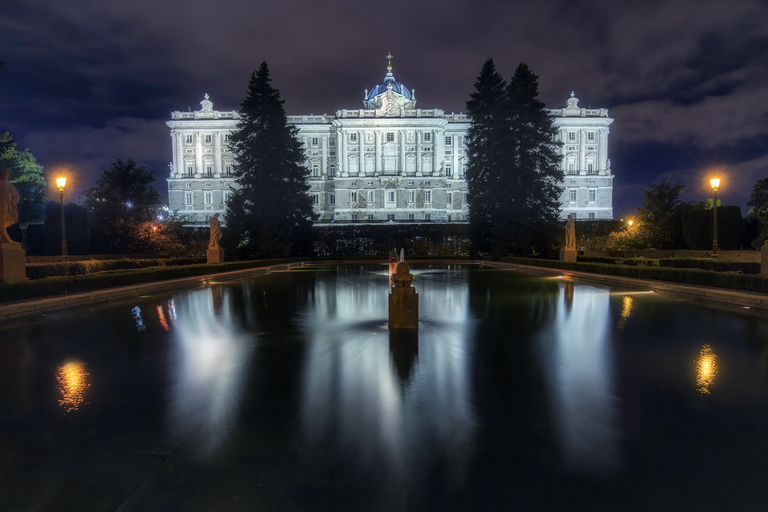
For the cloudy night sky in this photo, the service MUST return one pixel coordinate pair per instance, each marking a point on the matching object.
(686, 81)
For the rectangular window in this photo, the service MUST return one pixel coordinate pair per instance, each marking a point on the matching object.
(427, 217)
(449, 171)
(315, 170)
(571, 136)
(391, 217)
(209, 170)
(315, 141)
(390, 137)
(190, 170)
(228, 170)
(225, 197)
(449, 218)
(188, 198)
(592, 194)
(332, 199)
(427, 137)
(591, 216)
(572, 195)
(370, 216)
(448, 141)
(427, 196)
(332, 142)
(352, 137)
(315, 199)
(354, 216)
(208, 197)
(410, 216)
(591, 136)
(465, 199)
(590, 167)
(353, 197)
(448, 198)
(411, 196)
(369, 196)
(391, 196)
(331, 171)
(189, 139)
(208, 139)
(226, 138)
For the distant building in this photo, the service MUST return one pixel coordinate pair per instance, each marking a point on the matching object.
(387, 161)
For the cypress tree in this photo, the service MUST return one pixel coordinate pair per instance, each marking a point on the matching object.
(270, 214)
(483, 138)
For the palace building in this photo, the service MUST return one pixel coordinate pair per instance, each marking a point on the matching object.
(388, 161)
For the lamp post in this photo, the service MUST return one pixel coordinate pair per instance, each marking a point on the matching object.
(715, 182)
(61, 182)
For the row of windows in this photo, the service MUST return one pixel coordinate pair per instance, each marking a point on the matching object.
(573, 194)
(590, 216)
(208, 138)
(189, 198)
(411, 217)
(391, 196)
(572, 136)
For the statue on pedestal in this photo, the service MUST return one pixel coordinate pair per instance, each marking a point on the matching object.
(570, 234)
(215, 225)
(9, 212)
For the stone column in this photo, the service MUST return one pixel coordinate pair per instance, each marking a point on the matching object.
(198, 155)
(180, 155)
(174, 152)
(341, 147)
(418, 152)
(377, 135)
(439, 151)
(582, 153)
(324, 157)
(455, 150)
(602, 150)
(401, 171)
(217, 154)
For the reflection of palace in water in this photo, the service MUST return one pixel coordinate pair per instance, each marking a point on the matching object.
(385, 396)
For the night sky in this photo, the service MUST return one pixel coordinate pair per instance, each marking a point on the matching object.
(686, 81)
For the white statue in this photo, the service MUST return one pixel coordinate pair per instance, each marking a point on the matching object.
(213, 242)
(570, 235)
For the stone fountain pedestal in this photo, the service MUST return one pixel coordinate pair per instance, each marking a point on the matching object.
(215, 255)
(13, 262)
(567, 254)
(403, 300)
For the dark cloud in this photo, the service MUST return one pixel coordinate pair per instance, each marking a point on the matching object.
(87, 82)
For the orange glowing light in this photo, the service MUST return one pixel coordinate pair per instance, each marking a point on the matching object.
(73, 381)
(706, 369)
(163, 321)
(60, 182)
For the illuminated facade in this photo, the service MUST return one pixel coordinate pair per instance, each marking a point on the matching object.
(387, 161)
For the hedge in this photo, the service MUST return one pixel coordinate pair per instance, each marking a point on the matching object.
(72, 268)
(745, 267)
(728, 280)
(33, 289)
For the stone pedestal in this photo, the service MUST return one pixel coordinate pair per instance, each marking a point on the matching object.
(567, 254)
(13, 262)
(215, 255)
(403, 301)
(764, 258)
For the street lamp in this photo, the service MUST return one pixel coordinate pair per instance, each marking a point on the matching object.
(715, 182)
(61, 182)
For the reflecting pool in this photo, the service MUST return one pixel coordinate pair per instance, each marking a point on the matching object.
(288, 392)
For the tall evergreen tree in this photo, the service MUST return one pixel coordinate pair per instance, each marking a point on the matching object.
(483, 139)
(514, 171)
(270, 214)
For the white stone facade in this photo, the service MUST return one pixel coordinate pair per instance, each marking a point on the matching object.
(386, 162)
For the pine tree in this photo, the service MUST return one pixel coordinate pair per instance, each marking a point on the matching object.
(483, 138)
(529, 184)
(270, 214)
(514, 171)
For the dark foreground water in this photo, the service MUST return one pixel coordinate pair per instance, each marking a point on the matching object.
(287, 392)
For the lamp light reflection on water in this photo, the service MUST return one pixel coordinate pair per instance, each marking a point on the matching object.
(72, 377)
(706, 369)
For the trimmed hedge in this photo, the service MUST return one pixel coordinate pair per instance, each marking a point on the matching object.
(33, 289)
(418, 239)
(73, 268)
(745, 267)
(727, 280)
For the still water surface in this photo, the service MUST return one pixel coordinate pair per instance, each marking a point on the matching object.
(288, 392)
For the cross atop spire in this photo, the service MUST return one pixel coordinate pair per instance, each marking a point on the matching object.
(389, 59)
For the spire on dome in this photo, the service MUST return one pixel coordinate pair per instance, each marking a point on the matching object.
(389, 62)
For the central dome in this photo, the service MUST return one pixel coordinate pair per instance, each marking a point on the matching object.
(384, 86)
